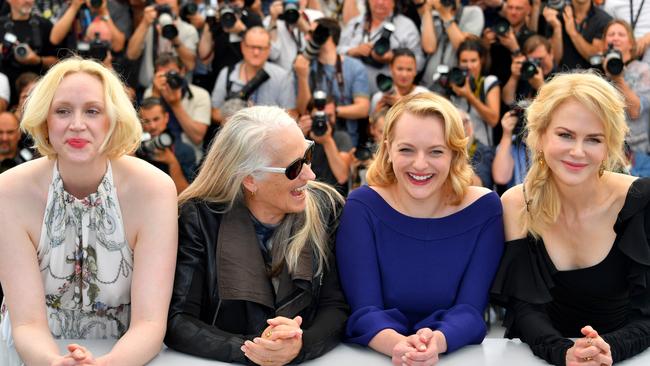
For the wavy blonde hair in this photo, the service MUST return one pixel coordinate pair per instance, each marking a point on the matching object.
(597, 95)
(239, 150)
(380, 172)
(125, 131)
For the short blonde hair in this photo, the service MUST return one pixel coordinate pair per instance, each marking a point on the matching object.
(381, 172)
(597, 95)
(125, 130)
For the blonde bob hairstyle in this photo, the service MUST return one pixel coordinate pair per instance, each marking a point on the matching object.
(597, 95)
(380, 172)
(245, 145)
(125, 130)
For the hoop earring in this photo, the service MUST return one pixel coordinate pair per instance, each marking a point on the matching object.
(540, 158)
(601, 170)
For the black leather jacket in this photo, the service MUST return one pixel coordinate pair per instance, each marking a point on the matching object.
(222, 294)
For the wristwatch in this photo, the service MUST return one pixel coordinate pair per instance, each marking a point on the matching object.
(447, 23)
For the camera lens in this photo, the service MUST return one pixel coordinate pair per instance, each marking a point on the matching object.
(528, 69)
(457, 76)
(21, 50)
(384, 82)
(174, 80)
(291, 12)
(319, 123)
(96, 3)
(501, 27)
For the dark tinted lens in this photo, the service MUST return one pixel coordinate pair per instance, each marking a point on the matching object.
(294, 169)
(309, 154)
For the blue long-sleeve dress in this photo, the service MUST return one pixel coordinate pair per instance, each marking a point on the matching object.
(405, 273)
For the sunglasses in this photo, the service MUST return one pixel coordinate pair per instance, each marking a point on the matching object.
(292, 171)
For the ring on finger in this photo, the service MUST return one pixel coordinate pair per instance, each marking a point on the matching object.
(588, 358)
(268, 334)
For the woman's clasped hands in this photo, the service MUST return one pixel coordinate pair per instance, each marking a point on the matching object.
(279, 343)
(77, 356)
(591, 350)
(419, 349)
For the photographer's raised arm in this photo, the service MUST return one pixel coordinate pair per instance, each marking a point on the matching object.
(503, 165)
(509, 92)
(136, 43)
(63, 26)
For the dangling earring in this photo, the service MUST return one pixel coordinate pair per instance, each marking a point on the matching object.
(540, 158)
(601, 170)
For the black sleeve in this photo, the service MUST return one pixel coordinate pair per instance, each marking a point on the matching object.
(533, 326)
(629, 340)
(186, 332)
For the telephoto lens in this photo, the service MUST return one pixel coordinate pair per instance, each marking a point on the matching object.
(501, 27)
(382, 45)
(228, 17)
(291, 11)
(160, 142)
(384, 82)
(168, 29)
(529, 68)
(613, 61)
(174, 79)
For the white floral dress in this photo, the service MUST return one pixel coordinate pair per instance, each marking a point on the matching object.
(86, 265)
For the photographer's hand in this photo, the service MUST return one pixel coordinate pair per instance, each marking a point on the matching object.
(384, 59)
(509, 41)
(159, 83)
(275, 10)
(30, 58)
(515, 66)
(237, 28)
(508, 123)
(149, 15)
(462, 91)
(164, 156)
(569, 21)
(304, 122)
(551, 17)
(362, 50)
(325, 138)
(538, 79)
(488, 37)
(301, 66)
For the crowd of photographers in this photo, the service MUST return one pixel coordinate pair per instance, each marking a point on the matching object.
(335, 65)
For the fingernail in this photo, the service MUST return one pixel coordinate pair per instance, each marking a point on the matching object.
(256, 340)
(422, 347)
(243, 348)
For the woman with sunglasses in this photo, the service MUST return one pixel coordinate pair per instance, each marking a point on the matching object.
(256, 280)
(418, 247)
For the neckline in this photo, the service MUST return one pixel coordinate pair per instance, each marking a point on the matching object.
(57, 182)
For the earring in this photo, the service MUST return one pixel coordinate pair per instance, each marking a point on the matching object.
(540, 158)
(601, 170)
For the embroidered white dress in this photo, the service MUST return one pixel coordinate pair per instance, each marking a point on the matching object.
(86, 265)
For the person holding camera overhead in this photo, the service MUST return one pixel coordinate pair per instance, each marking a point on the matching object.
(372, 36)
(332, 151)
(162, 149)
(391, 88)
(161, 30)
(83, 13)
(24, 43)
(187, 104)
(529, 70)
(632, 78)
(342, 77)
(452, 24)
(474, 92)
(417, 249)
(254, 79)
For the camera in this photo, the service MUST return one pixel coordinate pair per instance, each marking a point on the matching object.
(96, 49)
(318, 38)
(211, 17)
(291, 11)
(611, 61)
(448, 3)
(228, 16)
(166, 21)
(556, 4)
(319, 118)
(250, 87)
(187, 10)
(519, 110)
(382, 45)
(150, 144)
(384, 82)
(501, 27)
(96, 4)
(11, 45)
(364, 152)
(174, 79)
(529, 68)
(458, 75)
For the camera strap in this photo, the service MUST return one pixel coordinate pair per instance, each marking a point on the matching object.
(36, 41)
(296, 39)
(366, 29)
(315, 78)
(634, 19)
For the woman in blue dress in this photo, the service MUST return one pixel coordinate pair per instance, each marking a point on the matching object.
(417, 249)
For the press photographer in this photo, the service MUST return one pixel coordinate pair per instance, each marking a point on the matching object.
(278, 89)
(10, 153)
(451, 24)
(511, 161)
(24, 44)
(530, 70)
(161, 31)
(332, 152)
(188, 105)
(320, 67)
(481, 156)
(631, 77)
(160, 148)
(372, 36)
(403, 70)
(288, 23)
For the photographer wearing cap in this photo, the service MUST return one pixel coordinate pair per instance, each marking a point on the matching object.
(632, 78)
(24, 43)
(161, 30)
(342, 77)
(254, 79)
(403, 70)
(530, 70)
(332, 152)
(371, 36)
(170, 155)
(188, 105)
(452, 24)
(85, 12)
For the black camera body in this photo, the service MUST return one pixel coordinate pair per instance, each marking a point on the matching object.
(228, 16)
(382, 45)
(10, 45)
(96, 49)
(364, 152)
(448, 3)
(501, 27)
(150, 145)
(529, 68)
(556, 4)
(318, 38)
(166, 21)
(384, 82)
(613, 60)
(519, 110)
(174, 79)
(96, 4)
(291, 11)
(458, 76)
(319, 117)
(251, 86)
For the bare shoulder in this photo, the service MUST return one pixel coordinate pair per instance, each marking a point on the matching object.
(137, 180)
(620, 183)
(514, 209)
(473, 193)
(26, 183)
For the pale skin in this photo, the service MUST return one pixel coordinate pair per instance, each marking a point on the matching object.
(583, 234)
(149, 214)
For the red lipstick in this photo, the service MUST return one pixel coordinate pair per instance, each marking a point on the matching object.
(77, 143)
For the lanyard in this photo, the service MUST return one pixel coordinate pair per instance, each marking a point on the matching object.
(634, 19)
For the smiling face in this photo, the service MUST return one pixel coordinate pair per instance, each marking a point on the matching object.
(420, 156)
(77, 122)
(618, 36)
(574, 144)
(276, 195)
